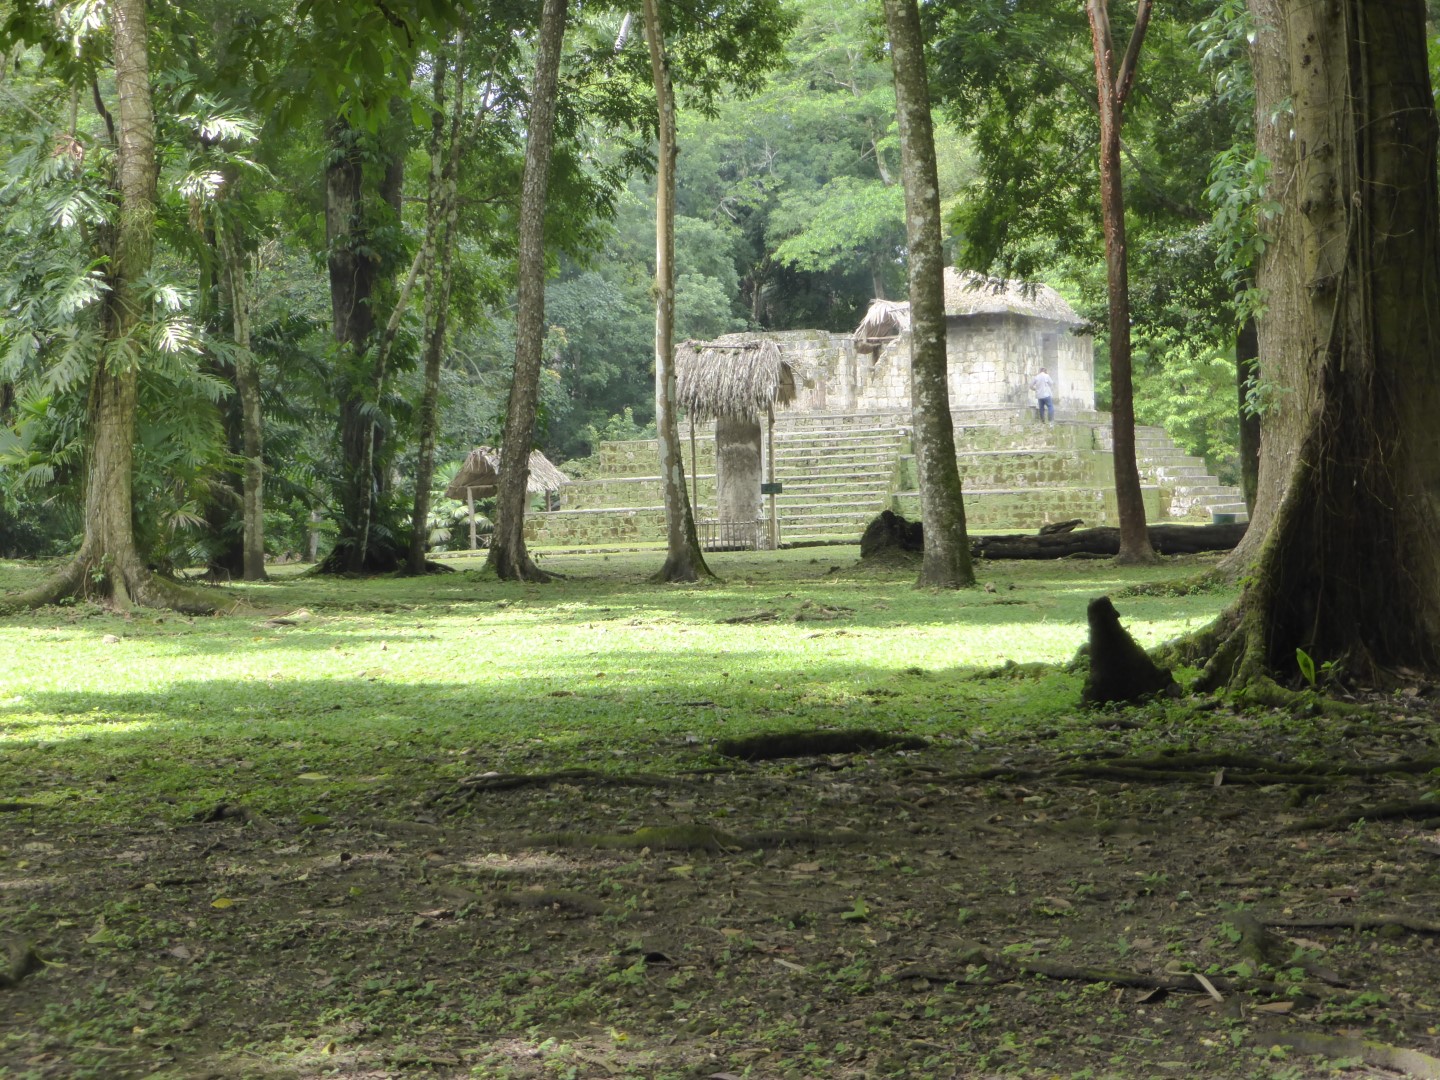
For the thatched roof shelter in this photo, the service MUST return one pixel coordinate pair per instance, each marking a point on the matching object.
(969, 293)
(481, 473)
(885, 319)
(735, 375)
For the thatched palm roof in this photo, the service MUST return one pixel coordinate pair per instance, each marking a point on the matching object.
(885, 319)
(969, 293)
(481, 473)
(734, 375)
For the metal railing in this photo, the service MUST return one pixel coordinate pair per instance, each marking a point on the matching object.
(731, 535)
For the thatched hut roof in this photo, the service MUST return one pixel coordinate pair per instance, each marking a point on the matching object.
(885, 319)
(734, 375)
(481, 473)
(969, 293)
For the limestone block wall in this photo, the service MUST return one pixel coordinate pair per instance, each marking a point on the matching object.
(1023, 511)
(629, 491)
(641, 457)
(994, 358)
(595, 528)
(883, 380)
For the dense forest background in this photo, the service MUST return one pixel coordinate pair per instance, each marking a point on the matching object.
(790, 215)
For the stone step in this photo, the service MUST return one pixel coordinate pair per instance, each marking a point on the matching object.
(852, 506)
(834, 453)
(799, 489)
(1178, 473)
(832, 421)
(832, 433)
(877, 464)
(814, 462)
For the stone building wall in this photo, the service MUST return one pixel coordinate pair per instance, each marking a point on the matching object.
(992, 359)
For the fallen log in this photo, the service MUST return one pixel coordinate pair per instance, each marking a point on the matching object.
(1165, 539)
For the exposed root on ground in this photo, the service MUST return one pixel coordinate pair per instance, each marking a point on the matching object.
(1414, 810)
(790, 744)
(1397, 923)
(985, 967)
(1411, 1063)
(1215, 769)
(695, 838)
(120, 585)
(486, 783)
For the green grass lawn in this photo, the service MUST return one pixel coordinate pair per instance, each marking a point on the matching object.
(392, 683)
(260, 846)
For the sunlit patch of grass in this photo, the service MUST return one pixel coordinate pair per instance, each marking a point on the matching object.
(395, 683)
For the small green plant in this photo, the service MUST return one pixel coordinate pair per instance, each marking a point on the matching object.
(1307, 666)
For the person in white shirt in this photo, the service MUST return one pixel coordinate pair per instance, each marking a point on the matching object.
(1044, 395)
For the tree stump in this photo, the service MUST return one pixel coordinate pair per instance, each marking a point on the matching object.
(1120, 670)
(889, 533)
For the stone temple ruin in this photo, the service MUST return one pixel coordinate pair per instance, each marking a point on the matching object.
(811, 433)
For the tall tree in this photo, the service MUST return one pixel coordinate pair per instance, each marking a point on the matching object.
(109, 562)
(1349, 570)
(946, 560)
(684, 561)
(235, 278)
(364, 185)
(1114, 83)
(508, 556)
(441, 222)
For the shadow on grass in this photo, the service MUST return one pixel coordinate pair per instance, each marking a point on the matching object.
(203, 740)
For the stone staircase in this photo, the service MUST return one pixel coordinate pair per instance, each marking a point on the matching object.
(1193, 493)
(838, 471)
(835, 477)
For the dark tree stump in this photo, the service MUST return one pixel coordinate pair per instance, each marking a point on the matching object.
(891, 532)
(1120, 671)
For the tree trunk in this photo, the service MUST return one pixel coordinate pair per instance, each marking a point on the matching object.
(684, 560)
(1349, 570)
(1166, 539)
(946, 562)
(109, 563)
(1247, 370)
(508, 556)
(247, 388)
(1114, 88)
(442, 209)
(352, 285)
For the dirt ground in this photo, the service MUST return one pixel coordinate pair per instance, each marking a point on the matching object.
(885, 914)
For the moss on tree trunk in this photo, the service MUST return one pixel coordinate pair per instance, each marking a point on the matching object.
(1348, 569)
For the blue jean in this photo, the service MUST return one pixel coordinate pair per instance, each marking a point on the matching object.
(1046, 405)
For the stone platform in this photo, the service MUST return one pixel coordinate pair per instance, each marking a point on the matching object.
(839, 470)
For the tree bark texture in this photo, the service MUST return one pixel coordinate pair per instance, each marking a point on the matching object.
(109, 564)
(247, 389)
(352, 271)
(357, 266)
(946, 561)
(684, 560)
(508, 556)
(1349, 569)
(1114, 85)
(1166, 540)
(442, 211)
(1247, 369)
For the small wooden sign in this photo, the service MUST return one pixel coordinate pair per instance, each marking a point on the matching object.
(771, 489)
